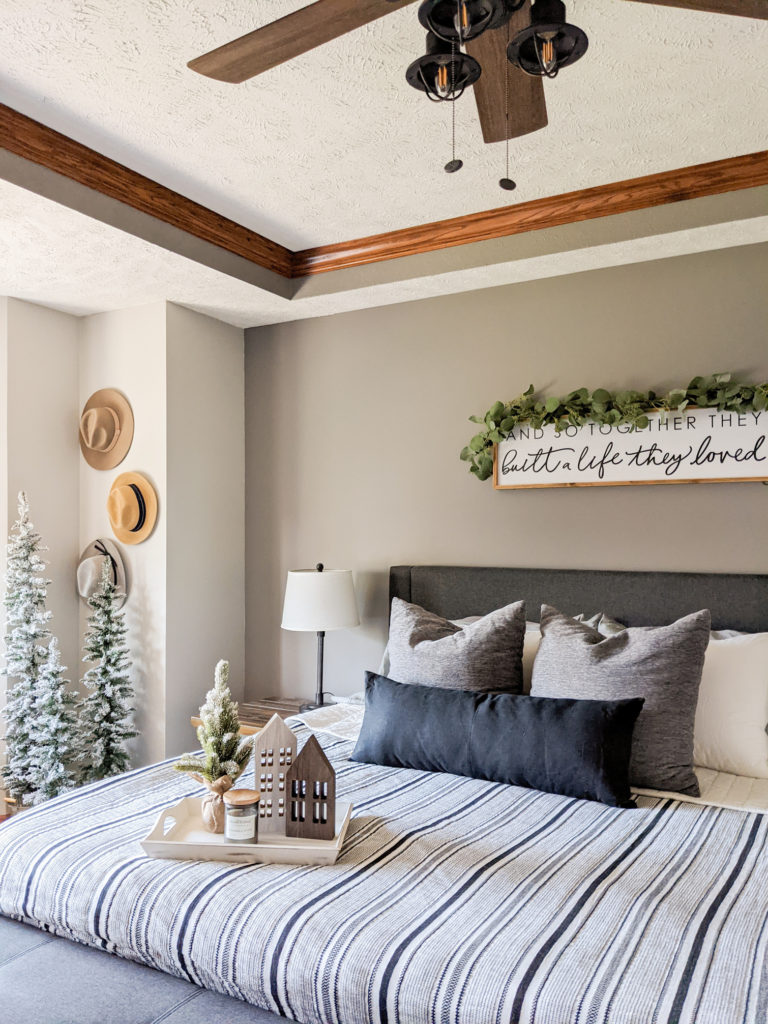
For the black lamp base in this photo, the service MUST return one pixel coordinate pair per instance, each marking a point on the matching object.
(313, 705)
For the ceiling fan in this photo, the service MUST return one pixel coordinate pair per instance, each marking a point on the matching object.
(509, 92)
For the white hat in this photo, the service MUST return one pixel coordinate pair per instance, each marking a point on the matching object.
(89, 570)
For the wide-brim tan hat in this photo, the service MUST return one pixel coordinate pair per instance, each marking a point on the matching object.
(132, 508)
(106, 429)
(90, 566)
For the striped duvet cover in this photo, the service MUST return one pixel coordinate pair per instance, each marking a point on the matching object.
(454, 900)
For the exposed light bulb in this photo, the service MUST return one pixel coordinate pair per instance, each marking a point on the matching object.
(461, 20)
(545, 45)
(442, 84)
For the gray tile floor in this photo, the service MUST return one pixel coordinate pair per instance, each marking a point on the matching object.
(48, 980)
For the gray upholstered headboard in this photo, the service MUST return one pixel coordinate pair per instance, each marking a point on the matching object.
(737, 601)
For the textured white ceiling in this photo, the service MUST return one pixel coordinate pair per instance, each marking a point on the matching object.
(107, 269)
(335, 145)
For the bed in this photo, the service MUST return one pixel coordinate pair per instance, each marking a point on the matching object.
(455, 901)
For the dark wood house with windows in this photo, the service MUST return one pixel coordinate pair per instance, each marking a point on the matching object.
(311, 782)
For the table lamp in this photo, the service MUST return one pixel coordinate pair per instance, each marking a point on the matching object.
(317, 600)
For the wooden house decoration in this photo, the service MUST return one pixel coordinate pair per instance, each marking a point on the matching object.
(311, 807)
(274, 751)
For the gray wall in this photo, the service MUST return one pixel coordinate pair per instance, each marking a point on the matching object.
(354, 424)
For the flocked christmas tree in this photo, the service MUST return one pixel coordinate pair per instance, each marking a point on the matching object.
(225, 753)
(55, 731)
(107, 710)
(26, 635)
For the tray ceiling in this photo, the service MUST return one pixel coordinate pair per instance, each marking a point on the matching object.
(335, 145)
(109, 269)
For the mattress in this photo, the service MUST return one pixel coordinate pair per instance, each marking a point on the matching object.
(454, 901)
(718, 789)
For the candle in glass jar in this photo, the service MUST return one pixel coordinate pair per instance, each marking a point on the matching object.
(242, 819)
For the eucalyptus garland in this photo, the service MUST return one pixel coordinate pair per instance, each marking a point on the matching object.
(719, 390)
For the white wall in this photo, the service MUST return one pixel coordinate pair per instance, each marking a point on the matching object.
(39, 451)
(126, 350)
(205, 513)
(183, 374)
(43, 450)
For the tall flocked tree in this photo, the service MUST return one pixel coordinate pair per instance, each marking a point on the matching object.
(55, 731)
(27, 632)
(106, 712)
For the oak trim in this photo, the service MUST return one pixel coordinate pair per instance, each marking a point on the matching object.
(42, 145)
(674, 186)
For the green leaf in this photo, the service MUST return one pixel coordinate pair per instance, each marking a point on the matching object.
(477, 443)
(496, 411)
(496, 436)
(552, 404)
(508, 424)
(485, 465)
(642, 422)
(528, 391)
(477, 419)
(601, 396)
(466, 454)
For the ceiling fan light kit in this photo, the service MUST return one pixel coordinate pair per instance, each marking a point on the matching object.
(461, 20)
(444, 72)
(549, 43)
(514, 43)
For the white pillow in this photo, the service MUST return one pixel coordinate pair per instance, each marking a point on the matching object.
(531, 642)
(731, 716)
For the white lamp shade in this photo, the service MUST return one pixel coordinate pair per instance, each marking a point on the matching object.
(317, 601)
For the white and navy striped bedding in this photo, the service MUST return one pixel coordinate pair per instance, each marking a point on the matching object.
(454, 901)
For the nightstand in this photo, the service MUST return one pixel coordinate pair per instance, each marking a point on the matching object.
(254, 715)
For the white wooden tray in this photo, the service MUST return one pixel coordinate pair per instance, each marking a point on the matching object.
(179, 834)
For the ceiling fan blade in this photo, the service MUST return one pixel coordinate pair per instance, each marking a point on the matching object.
(526, 104)
(290, 36)
(743, 8)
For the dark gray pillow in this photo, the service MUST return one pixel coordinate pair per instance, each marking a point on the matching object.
(661, 664)
(575, 748)
(486, 655)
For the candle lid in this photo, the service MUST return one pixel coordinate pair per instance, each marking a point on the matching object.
(242, 797)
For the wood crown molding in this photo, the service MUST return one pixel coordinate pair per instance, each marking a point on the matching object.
(42, 145)
(39, 144)
(553, 211)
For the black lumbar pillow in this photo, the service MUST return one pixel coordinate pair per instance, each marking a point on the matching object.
(578, 748)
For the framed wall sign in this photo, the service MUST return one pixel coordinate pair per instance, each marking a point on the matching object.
(693, 446)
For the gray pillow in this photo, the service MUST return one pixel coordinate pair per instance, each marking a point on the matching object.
(484, 655)
(662, 664)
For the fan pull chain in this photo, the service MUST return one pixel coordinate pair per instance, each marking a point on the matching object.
(453, 164)
(506, 182)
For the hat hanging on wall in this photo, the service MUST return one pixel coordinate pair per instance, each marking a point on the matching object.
(89, 570)
(132, 508)
(106, 429)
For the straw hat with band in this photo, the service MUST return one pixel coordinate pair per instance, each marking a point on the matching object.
(89, 570)
(106, 429)
(132, 508)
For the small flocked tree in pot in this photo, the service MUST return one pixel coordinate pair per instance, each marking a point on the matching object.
(225, 752)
